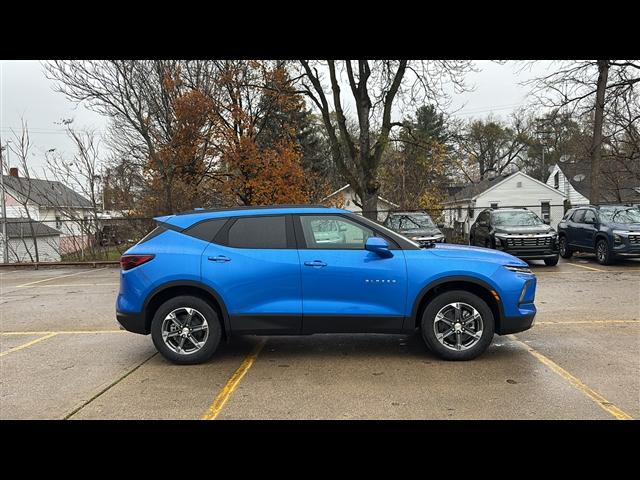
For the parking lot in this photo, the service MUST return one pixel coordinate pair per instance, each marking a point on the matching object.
(63, 356)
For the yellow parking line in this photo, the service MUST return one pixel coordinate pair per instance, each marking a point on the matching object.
(55, 278)
(28, 344)
(588, 268)
(587, 322)
(219, 402)
(63, 332)
(542, 273)
(591, 394)
(79, 285)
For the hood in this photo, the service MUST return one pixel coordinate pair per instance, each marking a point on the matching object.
(421, 232)
(523, 229)
(476, 253)
(631, 227)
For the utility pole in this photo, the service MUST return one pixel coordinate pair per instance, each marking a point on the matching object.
(5, 240)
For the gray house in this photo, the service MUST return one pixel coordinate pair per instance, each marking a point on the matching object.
(617, 185)
(53, 204)
(22, 241)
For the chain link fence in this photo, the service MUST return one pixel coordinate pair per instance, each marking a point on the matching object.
(96, 240)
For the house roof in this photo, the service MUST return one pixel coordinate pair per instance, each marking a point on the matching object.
(473, 190)
(19, 228)
(45, 193)
(616, 183)
(467, 192)
(349, 185)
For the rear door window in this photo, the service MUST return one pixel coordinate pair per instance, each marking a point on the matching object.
(266, 232)
(207, 229)
(578, 217)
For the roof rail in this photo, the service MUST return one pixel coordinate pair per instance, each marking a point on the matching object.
(247, 207)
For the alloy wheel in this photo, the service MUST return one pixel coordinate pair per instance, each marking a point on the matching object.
(458, 326)
(185, 330)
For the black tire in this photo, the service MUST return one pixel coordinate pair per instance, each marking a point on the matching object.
(603, 252)
(429, 317)
(214, 330)
(551, 262)
(565, 249)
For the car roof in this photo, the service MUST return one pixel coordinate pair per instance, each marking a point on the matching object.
(510, 209)
(408, 213)
(186, 219)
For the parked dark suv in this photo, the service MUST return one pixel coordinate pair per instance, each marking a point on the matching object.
(517, 231)
(417, 226)
(608, 231)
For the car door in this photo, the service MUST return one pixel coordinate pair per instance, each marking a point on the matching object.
(588, 229)
(481, 233)
(254, 266)
(574, 231)
(346, 288)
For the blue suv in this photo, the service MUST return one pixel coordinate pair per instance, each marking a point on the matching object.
(609, 231)
(204, 276)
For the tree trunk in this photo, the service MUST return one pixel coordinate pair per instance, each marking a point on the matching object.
(369, 198)
(370, 205)
(596, 145)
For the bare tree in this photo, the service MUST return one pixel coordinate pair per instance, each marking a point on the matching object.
(139, 96)
(82, 175)
(22, 149)
(375, 87)
(492, 146)
(588, 86)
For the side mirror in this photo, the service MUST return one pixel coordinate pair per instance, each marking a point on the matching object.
(547, 221)
(378, 246)
(440, 225)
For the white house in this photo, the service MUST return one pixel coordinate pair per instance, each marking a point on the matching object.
(53, 204)
(574, 180)
(515, 190)
(21, 246)
(347, 198)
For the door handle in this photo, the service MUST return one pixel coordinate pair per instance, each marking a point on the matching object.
(219, 259)
(315, 263)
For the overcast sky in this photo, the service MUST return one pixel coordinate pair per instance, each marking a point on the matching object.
(26, 93)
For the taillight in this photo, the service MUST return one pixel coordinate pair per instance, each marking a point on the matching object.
(127, 262)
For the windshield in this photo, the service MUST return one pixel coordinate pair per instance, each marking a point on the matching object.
(516, 219)
(621, 214)
(407, 223)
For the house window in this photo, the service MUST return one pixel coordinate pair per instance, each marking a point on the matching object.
(58, 223)
(494, 205)
(556, 180)
(545, 208)
(519, 185)
(459, 212)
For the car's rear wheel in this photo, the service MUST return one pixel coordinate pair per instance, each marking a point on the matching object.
(603, 252)
(550, 262)
(457, 325)
(186, 330)
(563, 246)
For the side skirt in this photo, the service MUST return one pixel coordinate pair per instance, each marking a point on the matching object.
(281, 324)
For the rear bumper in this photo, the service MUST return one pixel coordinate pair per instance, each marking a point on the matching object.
(133, 322)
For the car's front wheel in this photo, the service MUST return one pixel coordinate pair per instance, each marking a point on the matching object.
(563, 246)
(186, 330)
(457, 325)
(603, 252)
(550, 262)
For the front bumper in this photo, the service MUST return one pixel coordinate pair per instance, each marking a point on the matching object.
(628, 247)
(516, 324)
(133, 322)
(528, 248)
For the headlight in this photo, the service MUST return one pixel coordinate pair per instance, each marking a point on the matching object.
(513, 268)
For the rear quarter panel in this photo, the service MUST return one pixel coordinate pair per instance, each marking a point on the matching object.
(177, 257)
